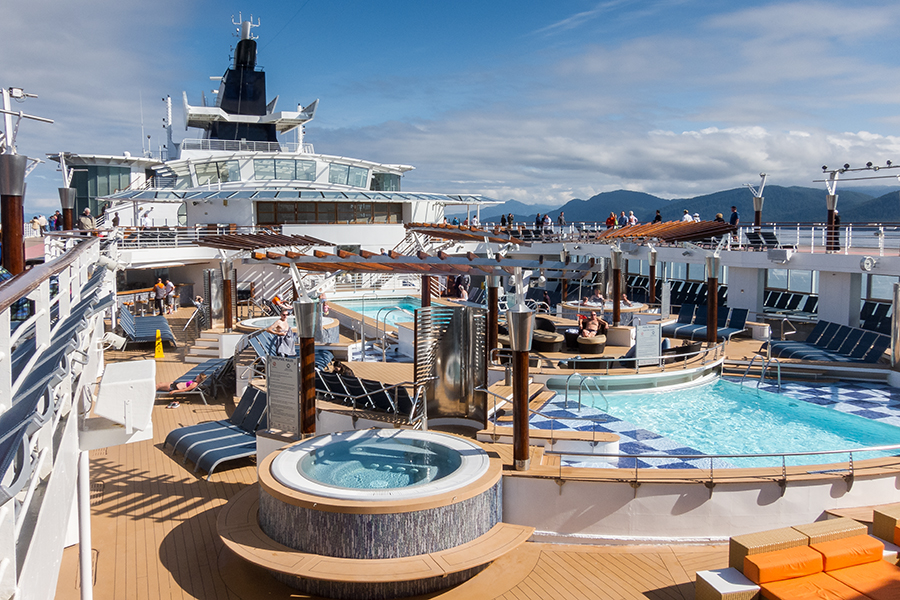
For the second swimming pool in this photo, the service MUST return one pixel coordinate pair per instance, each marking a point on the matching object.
(721, 418)
(371, 307)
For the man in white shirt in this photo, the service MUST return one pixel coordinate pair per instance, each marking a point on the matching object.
(687, 218)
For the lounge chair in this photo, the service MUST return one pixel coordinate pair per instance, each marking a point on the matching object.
(189, 443)
(737, 322)
(771, 240)
(143, 329)
(250, 397)
(685, 317)
(213, 369)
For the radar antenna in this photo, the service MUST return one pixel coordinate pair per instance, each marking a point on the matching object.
(245, 26)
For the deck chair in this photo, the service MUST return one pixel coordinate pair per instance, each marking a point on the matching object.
(881, 343)
(755, 240)
(685, 317)
(250, 396)
(213, 368)
(187, 443)
(737, 321)
(771, 240)
(208, 455)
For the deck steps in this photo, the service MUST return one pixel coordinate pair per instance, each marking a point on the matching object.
(536, 399)
(205, 347)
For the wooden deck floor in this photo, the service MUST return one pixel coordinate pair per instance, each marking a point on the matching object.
(153, 526)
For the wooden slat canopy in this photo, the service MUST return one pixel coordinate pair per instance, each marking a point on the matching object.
(255, 241)
(461, 233)
(671, 231)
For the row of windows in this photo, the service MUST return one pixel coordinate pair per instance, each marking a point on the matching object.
(285, 213)
(287, 169)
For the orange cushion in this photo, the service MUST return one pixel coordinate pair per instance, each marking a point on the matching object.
(782, 564)
(848, 552)
(878, 580)
(818, 586)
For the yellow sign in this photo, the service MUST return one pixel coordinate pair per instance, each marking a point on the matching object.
(159, 351)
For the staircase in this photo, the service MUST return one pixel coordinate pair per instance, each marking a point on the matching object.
(205, 347)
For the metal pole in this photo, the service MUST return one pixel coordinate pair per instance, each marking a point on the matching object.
(757, 211)
(652, 260)
(84, 526)
(493, 306)
(12, 211)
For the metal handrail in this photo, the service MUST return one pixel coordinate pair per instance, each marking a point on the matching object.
(765, 367)
(419, 386)
(389, 309)
(584, 383)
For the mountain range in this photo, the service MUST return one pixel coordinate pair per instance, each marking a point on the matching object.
(782, 204)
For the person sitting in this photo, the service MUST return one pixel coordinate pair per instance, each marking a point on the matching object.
(593, 326)
(596, 298)
(325, 308)
(281, 306)
(461, 294)
(719, 218)
(180, 386)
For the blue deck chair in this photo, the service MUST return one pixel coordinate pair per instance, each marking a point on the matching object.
(685, 317)
(881, 343)
(737, 321)
(213, 368)
(249, 424)
(249, 398)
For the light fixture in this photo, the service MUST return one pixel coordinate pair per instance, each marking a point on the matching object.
(869, 164)
(687, 253)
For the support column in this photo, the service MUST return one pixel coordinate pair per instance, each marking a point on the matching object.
(426, 290)
(894, 375)
(616, 259)
(712, 299)
(520, 321)
(652, 258)
(67, 201)
(227, 299)
(305, 316)
(493, 305)
(12, 212)
(831, 237)
(757, 211)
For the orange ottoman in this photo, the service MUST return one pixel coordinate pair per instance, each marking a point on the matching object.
(782, 564)
(879, 580)
(818, 586)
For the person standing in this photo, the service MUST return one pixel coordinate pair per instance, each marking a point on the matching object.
(735, 217)
(696, 217)
(159, 294)
(510, 220)
(622, 220)
(59, 220)
(146, 221)
(42, 221)
(657, 218)
(561, 220)
(170, 297)
(285, 342)
(503, 221)
(632, 220)
(687, 218)
(51, 223)
(115, 220)
(86, 222)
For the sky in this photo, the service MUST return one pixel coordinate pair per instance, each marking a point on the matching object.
(540, 102)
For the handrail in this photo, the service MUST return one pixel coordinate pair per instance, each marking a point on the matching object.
(418, 385)
(584, 383)
(389, 309)
(786, 320)
(23, 284)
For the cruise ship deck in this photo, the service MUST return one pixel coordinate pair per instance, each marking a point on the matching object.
(154, 530)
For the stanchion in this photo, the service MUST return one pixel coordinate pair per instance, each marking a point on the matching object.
(305, 315)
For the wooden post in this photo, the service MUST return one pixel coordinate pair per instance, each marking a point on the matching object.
(67, 198)
(521, 450)
(227, 301)
(426, 290)
(307, 386)
(68, 219)
(712, 299)
(12, 211)
(616, 258)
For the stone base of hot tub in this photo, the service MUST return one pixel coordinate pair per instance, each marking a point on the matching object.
(360, 579)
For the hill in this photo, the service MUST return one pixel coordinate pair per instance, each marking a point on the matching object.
(782, 204)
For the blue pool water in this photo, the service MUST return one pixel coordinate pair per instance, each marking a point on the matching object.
(723, 418)
(372, 306)
(379, 463)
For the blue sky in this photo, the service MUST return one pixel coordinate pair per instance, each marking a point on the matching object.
(537, 101)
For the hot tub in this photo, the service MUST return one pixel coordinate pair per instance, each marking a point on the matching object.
(266, 322)
(379, 493)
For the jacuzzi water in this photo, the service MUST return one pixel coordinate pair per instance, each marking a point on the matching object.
(725, 418)
(380, 464)
(371, 307)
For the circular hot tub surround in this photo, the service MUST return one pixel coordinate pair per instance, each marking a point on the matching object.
(379, 494)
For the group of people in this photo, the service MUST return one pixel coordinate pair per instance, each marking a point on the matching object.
(41, 224)
(467, 222)
(629, 220)
(164, 296)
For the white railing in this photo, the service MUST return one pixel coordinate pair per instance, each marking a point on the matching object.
(41, 411)
(132, 238)
(246, 146)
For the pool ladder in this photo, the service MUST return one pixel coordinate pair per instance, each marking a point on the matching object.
(585, 384)
(765, 367)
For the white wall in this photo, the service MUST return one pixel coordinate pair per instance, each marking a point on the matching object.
(746, 289)
(839, 296)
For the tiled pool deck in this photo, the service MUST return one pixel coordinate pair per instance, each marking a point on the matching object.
(869, 400)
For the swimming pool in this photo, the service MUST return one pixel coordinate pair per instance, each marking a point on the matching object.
(723, 418)
(370, 307)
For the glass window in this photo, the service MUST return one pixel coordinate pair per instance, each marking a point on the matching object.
(800, 281)
(345, 212)
(229, 170)
(284, 212)
(679, 271)
(306, 212)
(882, 287)
(264, 169)
(696, 272)
(777, 279)
(306, 170)
(326, 212)
(284, 169)
(338, 174)
(206, 173)
(358, 177)
(265, 213)
(385, 182)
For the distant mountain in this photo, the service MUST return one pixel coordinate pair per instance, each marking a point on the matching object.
(782, 204)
